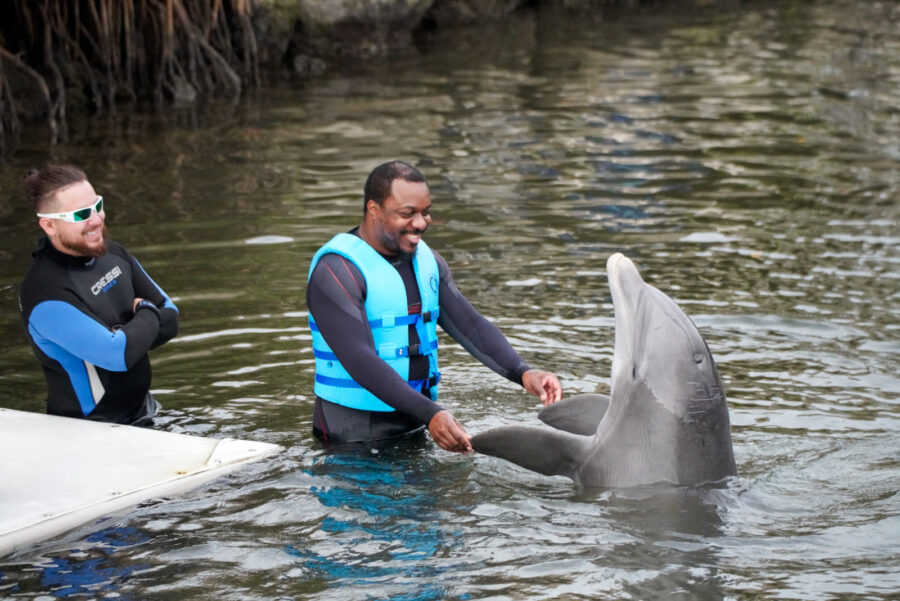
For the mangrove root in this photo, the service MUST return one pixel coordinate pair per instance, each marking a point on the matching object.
(106, 51)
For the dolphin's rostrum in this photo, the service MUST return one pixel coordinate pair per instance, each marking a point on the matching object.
(666, 419)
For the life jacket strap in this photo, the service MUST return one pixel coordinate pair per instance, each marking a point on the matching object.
(390, 321)
(421, 385)
(389, 352)
(418, 385)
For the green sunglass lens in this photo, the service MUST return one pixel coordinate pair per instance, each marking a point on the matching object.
(82, 214)
(85, 214)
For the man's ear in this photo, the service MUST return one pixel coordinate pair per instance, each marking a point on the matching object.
(48, 225)
(372, 207)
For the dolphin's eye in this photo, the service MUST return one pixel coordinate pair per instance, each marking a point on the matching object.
(698, 358)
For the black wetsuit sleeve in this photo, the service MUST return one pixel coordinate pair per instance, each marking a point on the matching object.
(146, 288)
(335, 296)
(482, 339)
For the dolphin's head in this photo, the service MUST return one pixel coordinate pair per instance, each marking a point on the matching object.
(657, 345)
(663, 374)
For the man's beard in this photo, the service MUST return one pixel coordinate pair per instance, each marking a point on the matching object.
(392, 244)
(84, 250)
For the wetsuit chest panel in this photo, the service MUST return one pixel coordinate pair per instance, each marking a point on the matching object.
(387, 312)
(106, 288)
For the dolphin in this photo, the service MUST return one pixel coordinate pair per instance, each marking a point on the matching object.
(665, 421)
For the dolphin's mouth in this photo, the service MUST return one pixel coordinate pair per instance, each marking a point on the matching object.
(625, 284)
(623, 276)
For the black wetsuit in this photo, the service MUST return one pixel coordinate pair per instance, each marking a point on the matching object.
(336, 294)
(92, 346)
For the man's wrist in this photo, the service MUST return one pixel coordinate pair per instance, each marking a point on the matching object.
(520, 371)
(145, 304)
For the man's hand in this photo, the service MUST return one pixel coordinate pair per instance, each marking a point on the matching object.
(134, 304)
(449, 433)
(542, 384)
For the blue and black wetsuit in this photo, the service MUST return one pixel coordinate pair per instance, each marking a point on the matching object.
(78, 313)
(336, 295)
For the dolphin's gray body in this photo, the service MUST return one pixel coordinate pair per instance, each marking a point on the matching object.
(666, 420)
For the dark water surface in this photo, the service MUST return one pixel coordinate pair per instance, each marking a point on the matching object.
(745, 157)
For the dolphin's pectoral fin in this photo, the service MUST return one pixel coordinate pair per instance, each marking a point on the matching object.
(579, 414)
(545, 451)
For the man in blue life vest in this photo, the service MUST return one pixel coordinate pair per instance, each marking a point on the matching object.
(90, 310)
(375, 296)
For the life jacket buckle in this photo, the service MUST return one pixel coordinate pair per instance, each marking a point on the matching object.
(409, 351)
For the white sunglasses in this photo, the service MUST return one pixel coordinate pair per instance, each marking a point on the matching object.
(78, 215)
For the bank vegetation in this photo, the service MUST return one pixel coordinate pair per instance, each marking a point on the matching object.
(56, 53)
(100, 54)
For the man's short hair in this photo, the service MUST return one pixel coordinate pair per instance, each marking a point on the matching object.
(42, 184)
(378, 184)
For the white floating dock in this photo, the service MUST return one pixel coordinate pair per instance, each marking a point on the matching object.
(57, 473)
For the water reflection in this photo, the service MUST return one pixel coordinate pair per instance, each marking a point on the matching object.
(91, 569)
(382, 528)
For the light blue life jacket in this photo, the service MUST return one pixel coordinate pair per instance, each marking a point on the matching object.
(387, 311)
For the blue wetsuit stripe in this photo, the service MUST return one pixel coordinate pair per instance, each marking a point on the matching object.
(83, 336)
(76, 370)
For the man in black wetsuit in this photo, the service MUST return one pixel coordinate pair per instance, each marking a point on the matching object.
(374, 296)
(90, 310)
